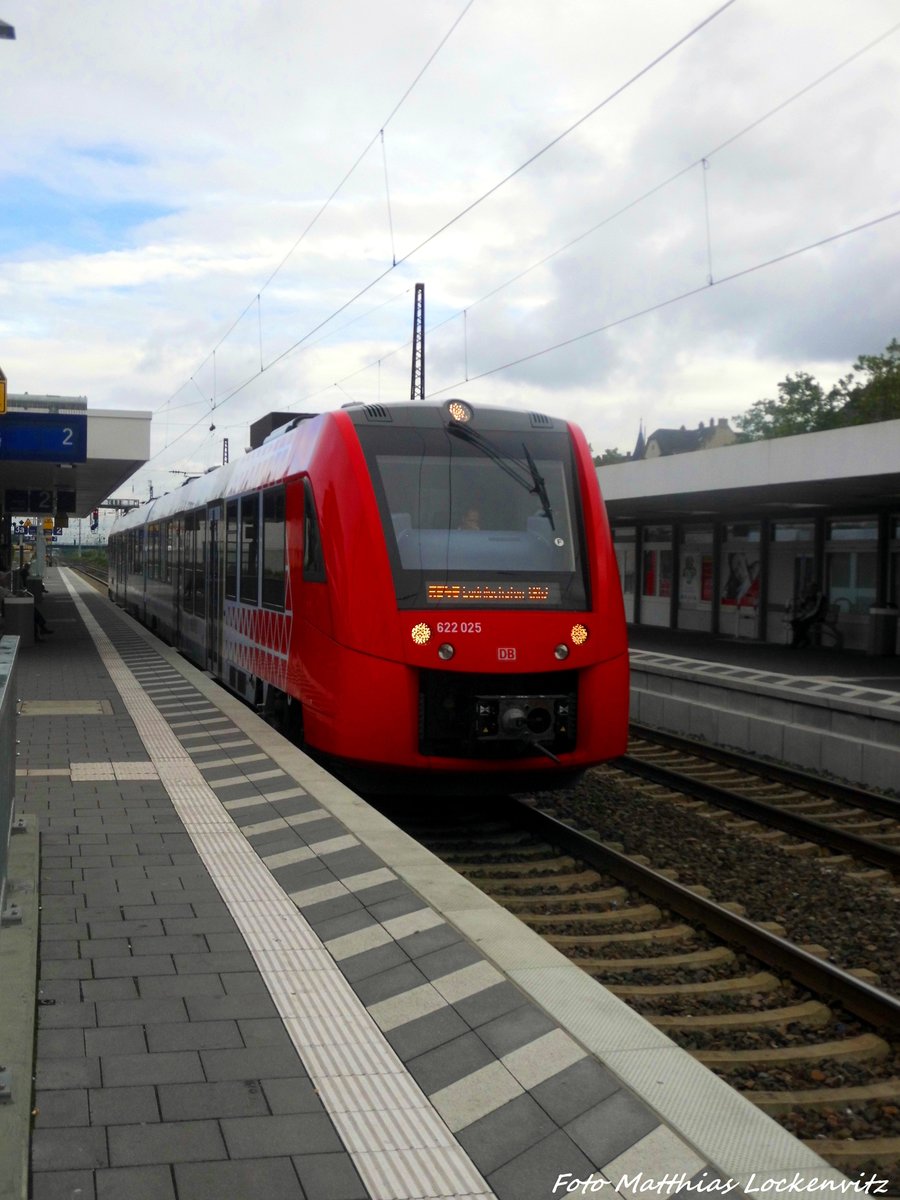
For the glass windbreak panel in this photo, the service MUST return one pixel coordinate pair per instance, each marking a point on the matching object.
(487, 520)
(741, 533)
(865, 530)
(625, 533)
(231, 554)
(697, 535)
(273, 548)
(793, 531)
(250, 548)
(657, 533)
(851, 580)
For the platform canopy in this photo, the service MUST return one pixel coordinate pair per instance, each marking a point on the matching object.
(57, 455)
(855, 469)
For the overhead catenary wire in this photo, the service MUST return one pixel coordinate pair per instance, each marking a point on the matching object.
(618, 91)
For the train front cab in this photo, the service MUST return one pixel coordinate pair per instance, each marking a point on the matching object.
(461, 649)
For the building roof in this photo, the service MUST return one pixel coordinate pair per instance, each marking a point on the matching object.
(856, 469)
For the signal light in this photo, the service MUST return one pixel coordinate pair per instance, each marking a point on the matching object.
(95, 520)
(459, 411)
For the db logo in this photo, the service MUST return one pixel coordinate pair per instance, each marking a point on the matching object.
(506, 653)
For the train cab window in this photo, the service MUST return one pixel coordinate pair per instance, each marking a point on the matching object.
(231, 555)
(489, 518)
(250, 548)
(313, 558)
(273, 548)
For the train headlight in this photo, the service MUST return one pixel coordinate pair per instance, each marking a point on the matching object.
(579, 634)
(458, 410)
(446, 651)
(561, 651)
(421, 634)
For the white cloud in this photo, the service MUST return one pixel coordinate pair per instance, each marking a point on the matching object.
(227, 128)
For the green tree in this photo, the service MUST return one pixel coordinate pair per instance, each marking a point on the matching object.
(610, 456)
(876, 397)
(803, 406)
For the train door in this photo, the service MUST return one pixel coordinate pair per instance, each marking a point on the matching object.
(177, 528)
(215, 564)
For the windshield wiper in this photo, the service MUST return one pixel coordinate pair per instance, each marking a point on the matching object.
(532, 482)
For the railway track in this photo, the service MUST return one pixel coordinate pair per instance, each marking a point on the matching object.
(821, 813)
(815, 1045)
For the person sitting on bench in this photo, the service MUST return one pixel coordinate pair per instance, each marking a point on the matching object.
(810, 612)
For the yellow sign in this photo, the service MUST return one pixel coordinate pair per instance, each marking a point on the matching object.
(48, 523)
(2, 392)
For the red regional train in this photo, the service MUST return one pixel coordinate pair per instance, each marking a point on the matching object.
(415, 586)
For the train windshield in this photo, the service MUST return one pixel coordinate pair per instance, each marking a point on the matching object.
(479, 520)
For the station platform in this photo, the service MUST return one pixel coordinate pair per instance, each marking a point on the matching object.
(826, 711)
(250, 983)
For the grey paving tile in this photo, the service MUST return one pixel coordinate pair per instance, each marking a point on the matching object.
(533, 1174)
(208, 964)
(243, 983)
(291, 1095)
(123, 1105)
(610, 1127)
(504, 1134)
(137, 1183)
(329, 1177)
(149, 964)
(425, 1033)
(109, 989)
(145, 1011)
(115, 1039)
(166, 1142)
(372, 962)
(224, 1007)
(66, 1107)
(264, 1032)
(60, 1043)
(205, 1101)
(387, 984)
(515, 1029)
(244, 1180)
(193, 1035)
(573, 1091)
(175, 986)
(256, 1137)
(63, 1185)
(489, 1004)
(427, 941)
(180, 1067)
(53, 1073)
(438, 1068)
(259, 1062)
(350, 922)
(326, 910)
(451, 958)
(68, 1149)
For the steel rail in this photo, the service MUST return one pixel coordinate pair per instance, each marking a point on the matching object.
(806, 828)
(883, 806)
(873, 1005)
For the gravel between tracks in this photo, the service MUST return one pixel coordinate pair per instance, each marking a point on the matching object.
(858, 923)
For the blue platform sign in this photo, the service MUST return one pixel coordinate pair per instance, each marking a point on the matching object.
(43, 437)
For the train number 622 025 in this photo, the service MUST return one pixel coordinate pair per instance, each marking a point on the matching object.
(459, 627)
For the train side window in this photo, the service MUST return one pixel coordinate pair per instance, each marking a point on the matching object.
(231, 556)
(187, 574)
(313, 558)
(250, 548)
(199, 564)
(273, 548)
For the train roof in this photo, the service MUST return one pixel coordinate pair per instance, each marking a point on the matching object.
(278, 457)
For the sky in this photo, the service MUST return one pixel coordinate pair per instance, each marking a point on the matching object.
(621, 212)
